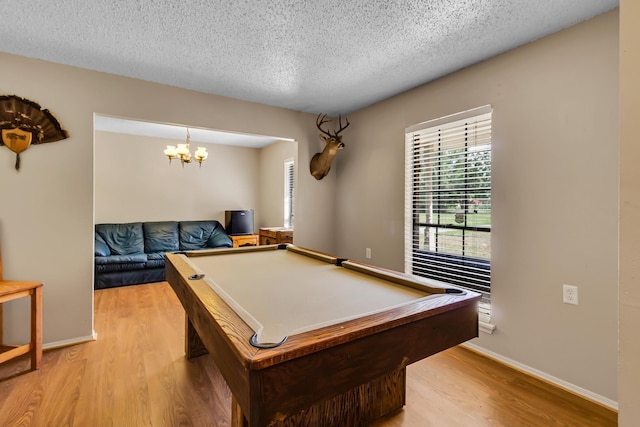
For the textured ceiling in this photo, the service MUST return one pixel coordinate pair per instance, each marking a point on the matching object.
(332, 56)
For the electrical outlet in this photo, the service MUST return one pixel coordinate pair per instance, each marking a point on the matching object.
(570, 294)
(367, 253)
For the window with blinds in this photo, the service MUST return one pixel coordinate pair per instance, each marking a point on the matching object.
(288, 193)
(448, 201)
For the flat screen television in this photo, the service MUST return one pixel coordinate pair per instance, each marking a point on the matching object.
(239, 221)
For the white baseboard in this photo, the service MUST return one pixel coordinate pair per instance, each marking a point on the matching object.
(72, 341)
(572, 388)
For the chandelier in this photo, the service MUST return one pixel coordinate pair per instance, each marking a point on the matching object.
(183, 152)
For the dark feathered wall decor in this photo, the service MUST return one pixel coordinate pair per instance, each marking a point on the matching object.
(24, 122)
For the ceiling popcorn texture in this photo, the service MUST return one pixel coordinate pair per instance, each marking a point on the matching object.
(330, 56)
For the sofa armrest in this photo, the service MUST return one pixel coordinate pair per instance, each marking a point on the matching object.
(100, 247)
(219, 239)
(195, 235)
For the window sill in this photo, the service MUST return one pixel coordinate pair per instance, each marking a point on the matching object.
(484, 319)
(486, 327)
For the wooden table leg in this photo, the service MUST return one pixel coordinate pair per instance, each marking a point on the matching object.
(237, 417)
(194, 346)
(36, 328)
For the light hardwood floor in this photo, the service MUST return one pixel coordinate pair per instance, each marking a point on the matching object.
(135, 374)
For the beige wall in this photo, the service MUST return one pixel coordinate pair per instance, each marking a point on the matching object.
(629, 370)
(46, 211)
(271, 185)
(555, 169)
(135, 182)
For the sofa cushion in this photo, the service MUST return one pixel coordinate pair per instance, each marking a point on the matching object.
(111, 268)
(122, 239)
(196, 234)
(160, 236)
(154, 263)
(110, 279)
(156, 256)
(122, 259)
(100, 247)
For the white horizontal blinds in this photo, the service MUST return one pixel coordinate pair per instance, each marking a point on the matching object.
(288, 193)
(448, 201)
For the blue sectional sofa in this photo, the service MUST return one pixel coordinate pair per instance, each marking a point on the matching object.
(133, 253)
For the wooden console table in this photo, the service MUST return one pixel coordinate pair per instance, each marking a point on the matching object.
(275, 235)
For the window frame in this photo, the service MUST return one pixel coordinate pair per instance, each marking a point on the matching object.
(466, 268)
(289, 192)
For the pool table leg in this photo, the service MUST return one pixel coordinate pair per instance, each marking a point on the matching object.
(237, 417)
(193, 346)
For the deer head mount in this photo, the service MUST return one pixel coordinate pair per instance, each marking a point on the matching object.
(321, 162)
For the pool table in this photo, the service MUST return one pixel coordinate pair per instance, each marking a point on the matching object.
(305, 338)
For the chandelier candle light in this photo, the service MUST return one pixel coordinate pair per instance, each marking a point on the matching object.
(184, 153)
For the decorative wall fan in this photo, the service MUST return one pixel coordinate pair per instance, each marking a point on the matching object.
(24, 122)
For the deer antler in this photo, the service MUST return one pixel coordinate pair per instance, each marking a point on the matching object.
(322, 119)
(346, 119)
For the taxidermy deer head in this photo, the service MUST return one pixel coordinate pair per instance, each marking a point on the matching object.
(321, 162)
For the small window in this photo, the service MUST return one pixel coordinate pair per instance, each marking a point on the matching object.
(288, 193)
(448, 201)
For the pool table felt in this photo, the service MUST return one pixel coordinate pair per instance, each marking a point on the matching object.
(279, 293)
